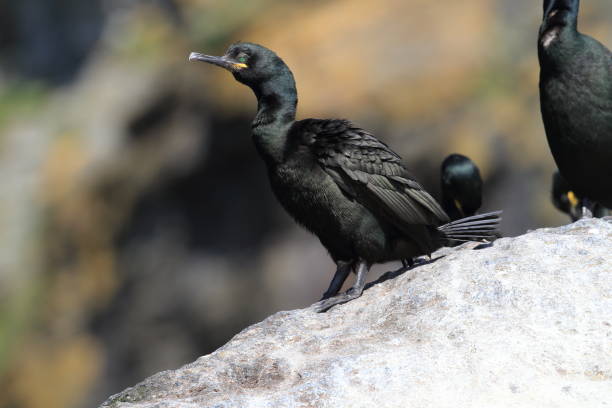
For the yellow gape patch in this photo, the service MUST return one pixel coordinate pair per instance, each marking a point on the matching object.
(573, 199)
(239, 65)
(459, 207)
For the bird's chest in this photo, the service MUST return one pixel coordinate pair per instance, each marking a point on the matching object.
(303, 190)
(311, 197)
(573, 109)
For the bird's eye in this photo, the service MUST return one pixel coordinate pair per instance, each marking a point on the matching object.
(242, 58)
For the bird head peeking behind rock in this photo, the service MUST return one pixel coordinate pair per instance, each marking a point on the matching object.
(461, 186)
(251, 64)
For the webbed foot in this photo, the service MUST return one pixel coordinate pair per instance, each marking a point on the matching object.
(353, 293)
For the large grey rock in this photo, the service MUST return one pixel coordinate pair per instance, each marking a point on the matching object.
(526, 322)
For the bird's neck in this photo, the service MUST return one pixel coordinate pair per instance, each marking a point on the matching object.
(276, 107)
(561, 53)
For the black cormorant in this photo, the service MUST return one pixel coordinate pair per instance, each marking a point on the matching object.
(461, 186)
(576, 101)
(340, 182)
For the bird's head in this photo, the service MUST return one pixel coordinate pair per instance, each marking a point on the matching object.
(560, 11)
(558, 14)
(251, 64)
(461, 184)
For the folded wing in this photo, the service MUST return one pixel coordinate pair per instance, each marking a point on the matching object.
(369, 171)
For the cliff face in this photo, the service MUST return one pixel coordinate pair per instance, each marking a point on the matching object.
(524, 322)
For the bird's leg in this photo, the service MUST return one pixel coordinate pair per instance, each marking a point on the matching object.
(407, 263)
(342, 271)
(353, 293)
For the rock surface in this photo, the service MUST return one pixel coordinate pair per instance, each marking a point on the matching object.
(526, 322)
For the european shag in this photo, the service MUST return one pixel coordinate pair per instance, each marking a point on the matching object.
(566, 200)
(576, 101)
(338, 181)
(461, 186)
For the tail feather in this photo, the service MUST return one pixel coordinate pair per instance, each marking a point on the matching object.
(471, 237)
(467, 224)
(464, 240)
(475, 228)
(470, 220)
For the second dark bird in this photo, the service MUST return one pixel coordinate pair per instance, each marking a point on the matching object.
(461, 186)
(576, 101)
(338, 181)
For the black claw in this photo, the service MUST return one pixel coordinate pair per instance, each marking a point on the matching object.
(326, 304)
(353, 293)
(408, 263)
(337, 281)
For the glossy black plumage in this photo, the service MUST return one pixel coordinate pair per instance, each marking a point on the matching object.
(461, 186)
(576, 101)
(339, 181)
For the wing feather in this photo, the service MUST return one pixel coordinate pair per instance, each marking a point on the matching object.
(370, 172)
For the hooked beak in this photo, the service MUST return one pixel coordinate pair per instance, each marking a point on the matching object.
(223, 62)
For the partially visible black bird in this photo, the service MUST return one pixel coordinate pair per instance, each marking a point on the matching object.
(461, 186)
(576, 101)
(565, 200)
(339, 181)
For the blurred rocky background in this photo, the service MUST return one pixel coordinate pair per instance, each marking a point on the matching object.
(137, 228)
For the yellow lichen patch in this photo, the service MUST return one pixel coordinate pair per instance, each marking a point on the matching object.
(55, 374)
(75, 210)
(59, 361)
(65, 162)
